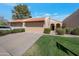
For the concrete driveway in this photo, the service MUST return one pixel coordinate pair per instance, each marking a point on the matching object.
(17, 44)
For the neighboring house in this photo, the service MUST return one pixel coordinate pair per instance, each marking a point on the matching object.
(72, 21)
(37, 23)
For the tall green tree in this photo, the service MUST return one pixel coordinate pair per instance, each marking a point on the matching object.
(21, 11)
(3, 22)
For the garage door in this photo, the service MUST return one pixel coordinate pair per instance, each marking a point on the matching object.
(35, 24)
(15, 24)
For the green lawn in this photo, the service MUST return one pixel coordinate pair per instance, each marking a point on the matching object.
(48, 45)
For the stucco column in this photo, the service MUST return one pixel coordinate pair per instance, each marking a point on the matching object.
(9, 23)
(55, 26)
(61, 25)
(47, 23)
(23, 24)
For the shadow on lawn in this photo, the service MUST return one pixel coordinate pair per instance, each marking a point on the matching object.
(64, 49)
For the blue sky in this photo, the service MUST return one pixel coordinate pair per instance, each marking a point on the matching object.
(57, 11)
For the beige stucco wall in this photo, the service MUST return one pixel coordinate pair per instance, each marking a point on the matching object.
(47, 22)
(54, 22)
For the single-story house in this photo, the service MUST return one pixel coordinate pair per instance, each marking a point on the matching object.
(36, 23)
(72, 21)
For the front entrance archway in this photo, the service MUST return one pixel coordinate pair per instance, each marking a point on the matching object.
(52, 27)
(58, 25)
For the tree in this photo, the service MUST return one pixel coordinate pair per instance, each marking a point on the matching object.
(3, 22)
(21, 12)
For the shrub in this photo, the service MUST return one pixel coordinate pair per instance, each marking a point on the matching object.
(47, 30)
(18, 30)
(1, 32)
(75, 31)
(4, 32)
(68, 30)
(60, 31)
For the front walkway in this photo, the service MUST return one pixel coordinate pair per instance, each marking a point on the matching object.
(17, 44)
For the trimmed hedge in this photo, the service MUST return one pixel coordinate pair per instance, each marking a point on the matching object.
(47, 30)
(4, 32)
(75, 31)
(68, 30)
(60, 31)
(18, 30)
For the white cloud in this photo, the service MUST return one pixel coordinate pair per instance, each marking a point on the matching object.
(42, 14)
(47, 14)
(10, 4)
(29, 7)
(60, 17)
(53, 16)
(37, 16)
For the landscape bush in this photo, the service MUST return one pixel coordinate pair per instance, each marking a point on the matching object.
(75, 31)
(18, 30)
(4, 32)
(47, 30)
(68, 30)
(60, 31)
(1, 32)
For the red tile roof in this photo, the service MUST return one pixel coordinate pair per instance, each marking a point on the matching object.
(28, 20)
